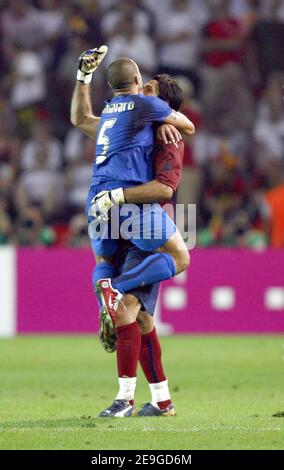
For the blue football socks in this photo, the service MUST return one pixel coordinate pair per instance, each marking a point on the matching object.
(154, 268)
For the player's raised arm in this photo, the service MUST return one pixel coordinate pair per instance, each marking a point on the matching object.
(81, 110)
(81, 105)
(181, 122)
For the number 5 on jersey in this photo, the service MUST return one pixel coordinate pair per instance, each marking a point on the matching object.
(103, 139)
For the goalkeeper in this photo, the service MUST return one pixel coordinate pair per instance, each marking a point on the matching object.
(140, 303)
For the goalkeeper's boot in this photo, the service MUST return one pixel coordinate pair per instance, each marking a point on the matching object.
(148, 410)
(107, 331)
(111, 297)
(119, 409)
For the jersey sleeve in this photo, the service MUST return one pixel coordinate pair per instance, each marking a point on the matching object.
(154, 109)
(168, 164)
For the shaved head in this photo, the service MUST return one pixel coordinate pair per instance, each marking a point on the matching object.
(123, 73)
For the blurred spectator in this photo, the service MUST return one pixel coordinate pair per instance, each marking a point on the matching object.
(53, 17)
(74, 145)
(5, 224)
(22, 23)
(106, 4)
(159, 9)
(235, 100)
(27, 87)
(41, 141)
(267, 43)
(78, 175)
(52, 14)
(272, 94)
(219, 140)
(78, 235)
(143, 18)
(138, 46)
(41, 186)
(269, 132)
(31, 229)
(178, 39)
(222, 44)
(84, 19)
(28, 78)
(189, 189)
(67, 70)
(223, 36)
(272, 7)
(9, 154)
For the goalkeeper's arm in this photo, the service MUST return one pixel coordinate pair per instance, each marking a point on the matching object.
(154, 191)
(181, 122)
(145, 193)
(81, 105)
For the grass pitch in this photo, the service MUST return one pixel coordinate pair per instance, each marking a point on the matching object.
(228, 391)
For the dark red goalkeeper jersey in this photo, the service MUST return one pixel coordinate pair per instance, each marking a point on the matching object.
(168, 163)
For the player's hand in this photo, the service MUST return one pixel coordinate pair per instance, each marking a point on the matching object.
(168, 134)
(89, 61)
(103, 202)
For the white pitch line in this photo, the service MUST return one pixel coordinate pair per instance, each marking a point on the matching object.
(150, 429)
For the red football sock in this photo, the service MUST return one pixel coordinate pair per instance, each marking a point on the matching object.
(128, 349)
(164, 404)
(151, 358)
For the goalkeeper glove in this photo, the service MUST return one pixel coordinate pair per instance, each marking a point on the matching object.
(89, 61)
(103, 202)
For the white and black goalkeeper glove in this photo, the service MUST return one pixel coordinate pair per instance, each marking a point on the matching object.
(103, 202)
(89, 61)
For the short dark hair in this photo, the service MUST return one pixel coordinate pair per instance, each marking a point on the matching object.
(121, 73)
(169, 90)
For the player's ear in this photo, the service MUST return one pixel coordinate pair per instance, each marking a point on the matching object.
(148, 89)
(136, 80)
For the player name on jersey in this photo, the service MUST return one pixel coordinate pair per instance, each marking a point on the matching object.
(118, 107)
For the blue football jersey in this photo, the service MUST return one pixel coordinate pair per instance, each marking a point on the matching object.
(124, 143)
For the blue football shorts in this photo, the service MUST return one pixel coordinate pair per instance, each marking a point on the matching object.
(146, 226)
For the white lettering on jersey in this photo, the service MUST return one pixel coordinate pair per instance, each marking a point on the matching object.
(118, 107)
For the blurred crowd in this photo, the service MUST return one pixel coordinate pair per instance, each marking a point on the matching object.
(228, 56)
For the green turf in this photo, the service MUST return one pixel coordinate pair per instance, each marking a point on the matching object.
(226, 391)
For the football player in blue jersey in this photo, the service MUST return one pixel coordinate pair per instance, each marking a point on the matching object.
(124, 136)
(124, 146)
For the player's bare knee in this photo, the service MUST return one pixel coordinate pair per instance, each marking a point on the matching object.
(127, 310)
(182, 260)
(104, 259)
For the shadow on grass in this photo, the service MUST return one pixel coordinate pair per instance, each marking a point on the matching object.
(83, 422)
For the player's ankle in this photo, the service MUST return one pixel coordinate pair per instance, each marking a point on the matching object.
(127, 387)
(161, 397)
(162, 405)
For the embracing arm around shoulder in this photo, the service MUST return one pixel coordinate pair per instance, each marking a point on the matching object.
(181, 122)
